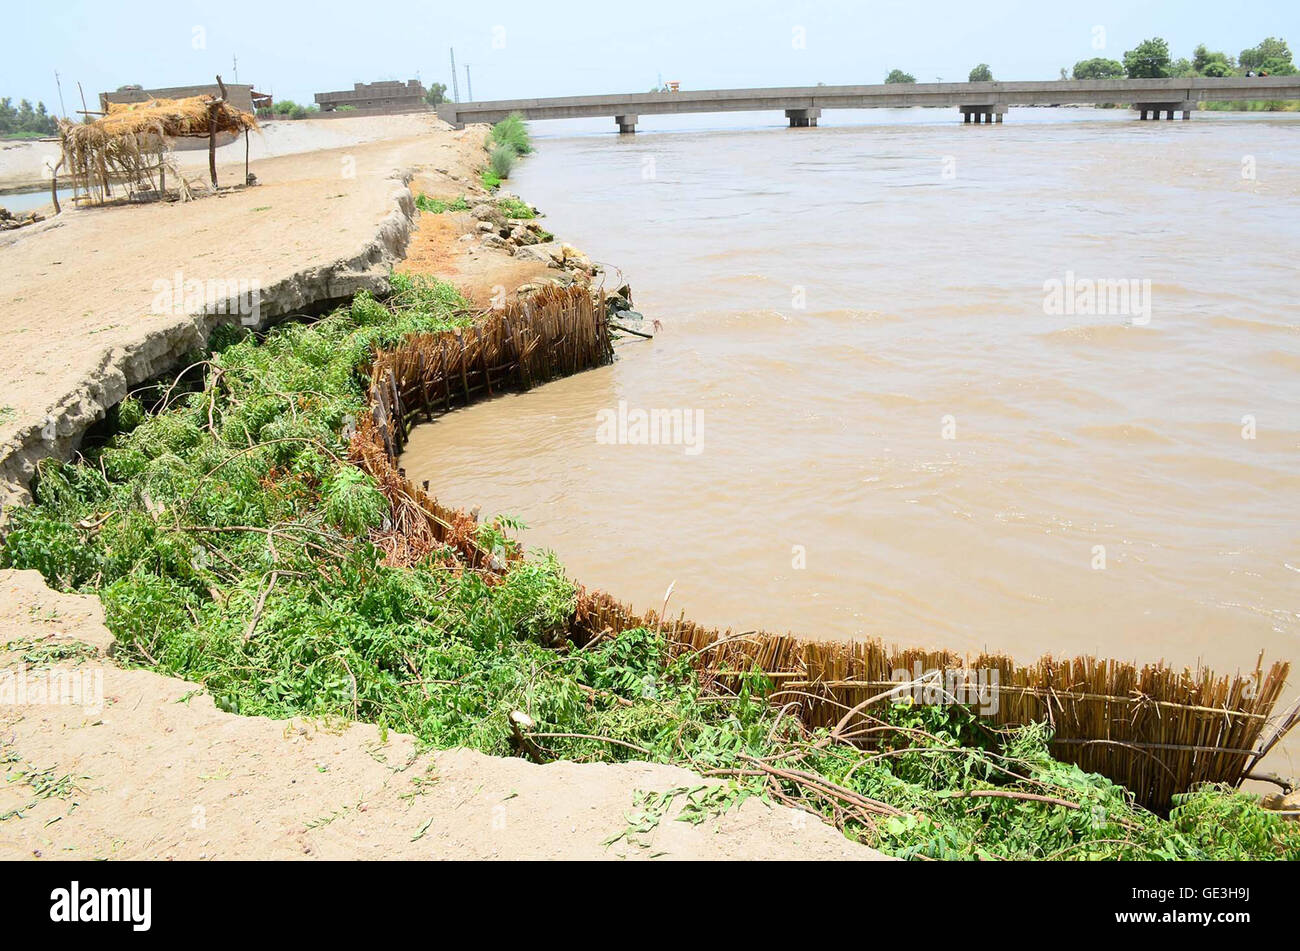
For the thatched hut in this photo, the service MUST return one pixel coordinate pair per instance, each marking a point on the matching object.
(132, 141)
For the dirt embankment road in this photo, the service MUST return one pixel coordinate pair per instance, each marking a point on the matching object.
(27, 164)
(80, 316)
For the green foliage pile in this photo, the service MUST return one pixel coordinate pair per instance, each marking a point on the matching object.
(437, 205)
(228, 539)
(515, 208)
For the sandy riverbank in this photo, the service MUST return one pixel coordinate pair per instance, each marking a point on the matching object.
(26, 164)
(155, 771)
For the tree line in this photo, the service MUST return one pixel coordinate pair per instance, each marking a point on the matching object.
(1151, 59)
(24, 120)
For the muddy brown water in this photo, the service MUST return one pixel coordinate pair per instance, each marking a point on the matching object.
(903, 429)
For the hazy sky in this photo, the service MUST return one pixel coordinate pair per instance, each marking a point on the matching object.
(571, 47)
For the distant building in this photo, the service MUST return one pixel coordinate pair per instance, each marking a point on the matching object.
(238, 95)
(387, 96)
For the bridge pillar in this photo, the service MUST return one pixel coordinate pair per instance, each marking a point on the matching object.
(1154, 110)
(803, 118)
(988, 114)
(626, 123)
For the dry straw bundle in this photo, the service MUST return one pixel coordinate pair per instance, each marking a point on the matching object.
(195, 117)
(132, 141)
(1156, 730)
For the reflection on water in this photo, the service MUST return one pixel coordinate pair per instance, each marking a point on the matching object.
(899, 439)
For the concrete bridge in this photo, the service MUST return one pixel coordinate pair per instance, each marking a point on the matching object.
(803, 105)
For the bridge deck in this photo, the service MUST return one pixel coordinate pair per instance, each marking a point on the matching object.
(1040, 93)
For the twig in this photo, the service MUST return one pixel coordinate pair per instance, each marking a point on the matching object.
(261, 603)
(629, 330)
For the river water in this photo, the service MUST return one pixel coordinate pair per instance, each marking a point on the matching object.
(904, 429)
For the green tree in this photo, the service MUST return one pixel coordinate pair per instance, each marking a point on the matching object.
(1202, 58)
(1099, 68)
(1150, 60)
(1258, 57)
(981, 74)
(437, 93)
(1278, 67)
(898, 76)
(1217, 69)
(25, 120)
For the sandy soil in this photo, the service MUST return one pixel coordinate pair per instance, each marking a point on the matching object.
(147, 768)
(443, 244)
(27, 164)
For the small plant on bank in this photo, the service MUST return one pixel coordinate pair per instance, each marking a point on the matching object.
(512, 133)
(502, 161)
(437, 206)
(515, 208)
(507, 141)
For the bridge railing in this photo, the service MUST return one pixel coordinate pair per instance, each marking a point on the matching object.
(1031, 93)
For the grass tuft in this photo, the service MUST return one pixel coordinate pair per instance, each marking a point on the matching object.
(437, 206)
(501, 160)
(512, 133)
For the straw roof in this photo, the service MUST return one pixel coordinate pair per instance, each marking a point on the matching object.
(131, 141)
(173, 118)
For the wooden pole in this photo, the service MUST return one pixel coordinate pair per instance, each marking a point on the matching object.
(213, 108)
(245, 156)
(54, 185)
(212, 144)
